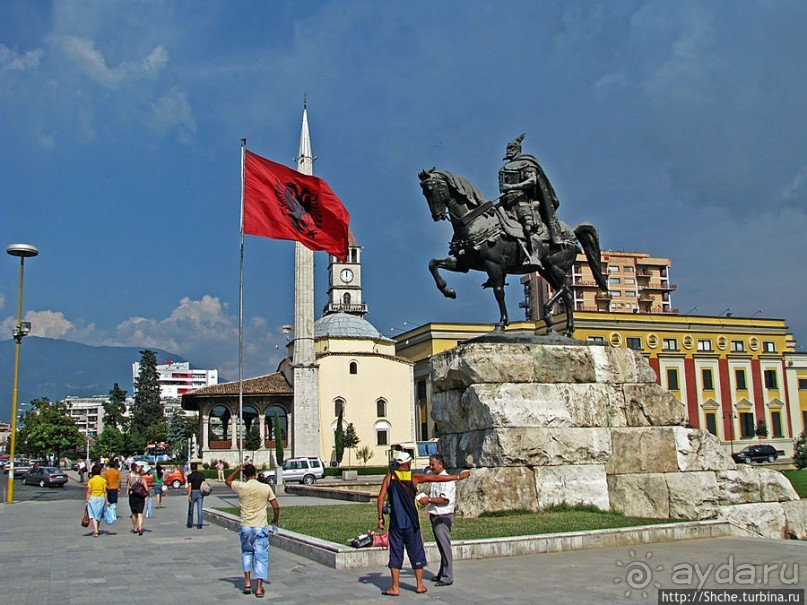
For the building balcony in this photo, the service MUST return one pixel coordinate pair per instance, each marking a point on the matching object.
(662, 287)
(584, 283)
(603, 295)
(342, 308)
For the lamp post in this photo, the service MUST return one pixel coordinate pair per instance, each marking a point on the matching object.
(23, 251)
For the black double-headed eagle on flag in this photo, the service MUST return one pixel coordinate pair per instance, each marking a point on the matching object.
(301, 206)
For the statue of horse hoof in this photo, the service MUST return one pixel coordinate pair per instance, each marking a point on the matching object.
(449, 293)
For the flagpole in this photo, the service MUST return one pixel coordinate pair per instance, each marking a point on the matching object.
(241, 318)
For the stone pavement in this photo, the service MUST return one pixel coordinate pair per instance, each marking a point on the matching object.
(47, 557)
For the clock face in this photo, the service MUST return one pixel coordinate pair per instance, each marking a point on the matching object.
(346, 275)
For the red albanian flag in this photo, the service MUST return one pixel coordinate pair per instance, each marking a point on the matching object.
(281, 203)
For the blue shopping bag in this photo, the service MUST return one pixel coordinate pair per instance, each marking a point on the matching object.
(111, 514)
(148, 508)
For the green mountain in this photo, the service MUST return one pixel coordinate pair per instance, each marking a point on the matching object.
(57, 368)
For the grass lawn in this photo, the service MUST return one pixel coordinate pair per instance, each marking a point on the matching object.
(340, 523)
(799, 481)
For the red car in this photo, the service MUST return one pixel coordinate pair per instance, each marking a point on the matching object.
(173, 476)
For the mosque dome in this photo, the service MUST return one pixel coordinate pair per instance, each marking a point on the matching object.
(345, 325)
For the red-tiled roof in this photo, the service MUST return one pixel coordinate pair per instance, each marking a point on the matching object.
(270, 384)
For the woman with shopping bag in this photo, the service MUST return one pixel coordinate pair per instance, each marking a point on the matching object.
(96, 498)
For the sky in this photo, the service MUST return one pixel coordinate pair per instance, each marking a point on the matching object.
(677, 128)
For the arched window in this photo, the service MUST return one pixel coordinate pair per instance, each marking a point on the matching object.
(338, 406)
(346, 299)
(276, 413)
(381, 408)
(354, 367)
(219, 428)
(250, 419)
(382, 432)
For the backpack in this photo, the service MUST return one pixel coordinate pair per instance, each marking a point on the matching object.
(136, 488)
(206, 488)
(362, 541)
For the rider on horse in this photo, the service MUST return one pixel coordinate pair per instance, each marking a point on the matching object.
(523, 185)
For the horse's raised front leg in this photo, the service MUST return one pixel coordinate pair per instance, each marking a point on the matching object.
(449, 264)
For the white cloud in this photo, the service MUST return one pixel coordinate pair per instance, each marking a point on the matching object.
(84, 53)
(49, 324)
(10, 60)
(796, 186)
(173, 111)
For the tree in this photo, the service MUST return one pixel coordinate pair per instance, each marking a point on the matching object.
(48, 429)
(351, 440)
(115, 408)
(278, 435)
(148, 420)
(339, 438)
(177, 431)
(109, 443)
(252, 439)
(364, 453)
(800, 451)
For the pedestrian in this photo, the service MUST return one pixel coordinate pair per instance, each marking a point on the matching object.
(158, 486)
(195, 496)
(96, 498)
(404, 524)
(254, 533)
(137, 498)
(220, 470)
(112, 476)
(441, 502)
(82, 468)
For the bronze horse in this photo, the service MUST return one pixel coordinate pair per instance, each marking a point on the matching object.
(484, 241)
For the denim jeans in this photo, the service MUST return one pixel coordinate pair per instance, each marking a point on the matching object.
(196, 500)
(255, 551)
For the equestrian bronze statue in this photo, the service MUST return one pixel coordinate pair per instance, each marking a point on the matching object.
(513, 234)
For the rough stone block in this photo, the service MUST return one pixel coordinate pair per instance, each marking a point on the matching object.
(526, 447)
(739, 486)
(573, 485)
(496, 489)
(692, 495)
(699, 450)
(764, 519)
(564, 364)
(619, 366)
(652, 405)
(644, 495)
(775, 486)
(479, 363)
(642, 450)
(795, 519)
(525, 405)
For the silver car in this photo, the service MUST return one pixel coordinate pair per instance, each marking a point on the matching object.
(302, 470)
(45, 476)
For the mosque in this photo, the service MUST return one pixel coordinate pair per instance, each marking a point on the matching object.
(339, 363)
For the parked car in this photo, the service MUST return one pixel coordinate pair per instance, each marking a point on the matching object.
(21, 468)
(174, 477)
(757, 453)
(45, 476)
(302, 470)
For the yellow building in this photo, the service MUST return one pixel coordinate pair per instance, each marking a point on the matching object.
(736, 376)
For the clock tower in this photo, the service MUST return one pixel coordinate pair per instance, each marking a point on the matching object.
(344, 280)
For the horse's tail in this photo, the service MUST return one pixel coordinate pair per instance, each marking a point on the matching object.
(586, 234)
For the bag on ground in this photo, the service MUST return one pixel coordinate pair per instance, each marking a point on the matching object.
(362, 541)
(111, 514)
(149, 511)
(206, 488)
(85, 522)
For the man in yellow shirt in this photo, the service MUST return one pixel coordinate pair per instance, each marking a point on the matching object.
(252, 498)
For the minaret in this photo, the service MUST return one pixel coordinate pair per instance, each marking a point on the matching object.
(305, 416)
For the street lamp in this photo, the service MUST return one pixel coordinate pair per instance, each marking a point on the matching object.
(23, 251)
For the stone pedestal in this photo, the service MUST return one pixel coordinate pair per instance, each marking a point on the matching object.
(560, 421)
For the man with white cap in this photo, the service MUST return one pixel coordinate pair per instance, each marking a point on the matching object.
(404, 525)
